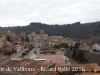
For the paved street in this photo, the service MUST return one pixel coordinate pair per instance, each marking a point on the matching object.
(94, 52)
(30, 55)
(66, 58)
(19, 53)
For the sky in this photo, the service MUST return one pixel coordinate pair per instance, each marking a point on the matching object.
(23, 12)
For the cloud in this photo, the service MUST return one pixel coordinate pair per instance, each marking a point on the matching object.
(22, 12)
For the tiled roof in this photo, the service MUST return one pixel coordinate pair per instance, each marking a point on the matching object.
(3, 31)
(28, 63)
(9, 48)
(86, 66)
(9, 44)
(2, 57)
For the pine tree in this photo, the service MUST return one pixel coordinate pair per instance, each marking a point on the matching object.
(27, 39)
(74, 53)
(8, 38)
(77, 45)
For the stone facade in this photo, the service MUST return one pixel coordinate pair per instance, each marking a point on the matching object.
(38, 39)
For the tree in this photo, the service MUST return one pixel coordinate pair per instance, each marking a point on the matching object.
(74, 53)
(62, 45)
(8, 53)
(23, 54)
(22, 39)
(13, 51)
(71, 47)
(8, 38)
(81, 57)
(4, 45)
(77, 45)
(55, 46)
(27, 51)
(30, 47)
(27, 39)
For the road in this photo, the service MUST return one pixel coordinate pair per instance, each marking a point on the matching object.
(65, 57)
(94, 52)
(31, 54)
(19, 53)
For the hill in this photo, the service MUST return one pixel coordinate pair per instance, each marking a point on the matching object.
(75, 30)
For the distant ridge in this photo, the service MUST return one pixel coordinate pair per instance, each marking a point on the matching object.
(75, 30)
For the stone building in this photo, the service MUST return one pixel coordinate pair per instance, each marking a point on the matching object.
(38, 39)
(84, 47)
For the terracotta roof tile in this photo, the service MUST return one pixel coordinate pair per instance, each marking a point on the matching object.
(28, 63)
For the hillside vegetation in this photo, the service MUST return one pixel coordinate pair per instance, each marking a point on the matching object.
(75, 30)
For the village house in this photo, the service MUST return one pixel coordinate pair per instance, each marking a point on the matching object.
(83, 69)
(42, 40)
(96, 47)
(34, 65)
(18, 48)
(22, 35)
(84, 47)
(13, 37)
(52, 40)
(37, 40)
(3, 33)
(69, 41)
(33, 36)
